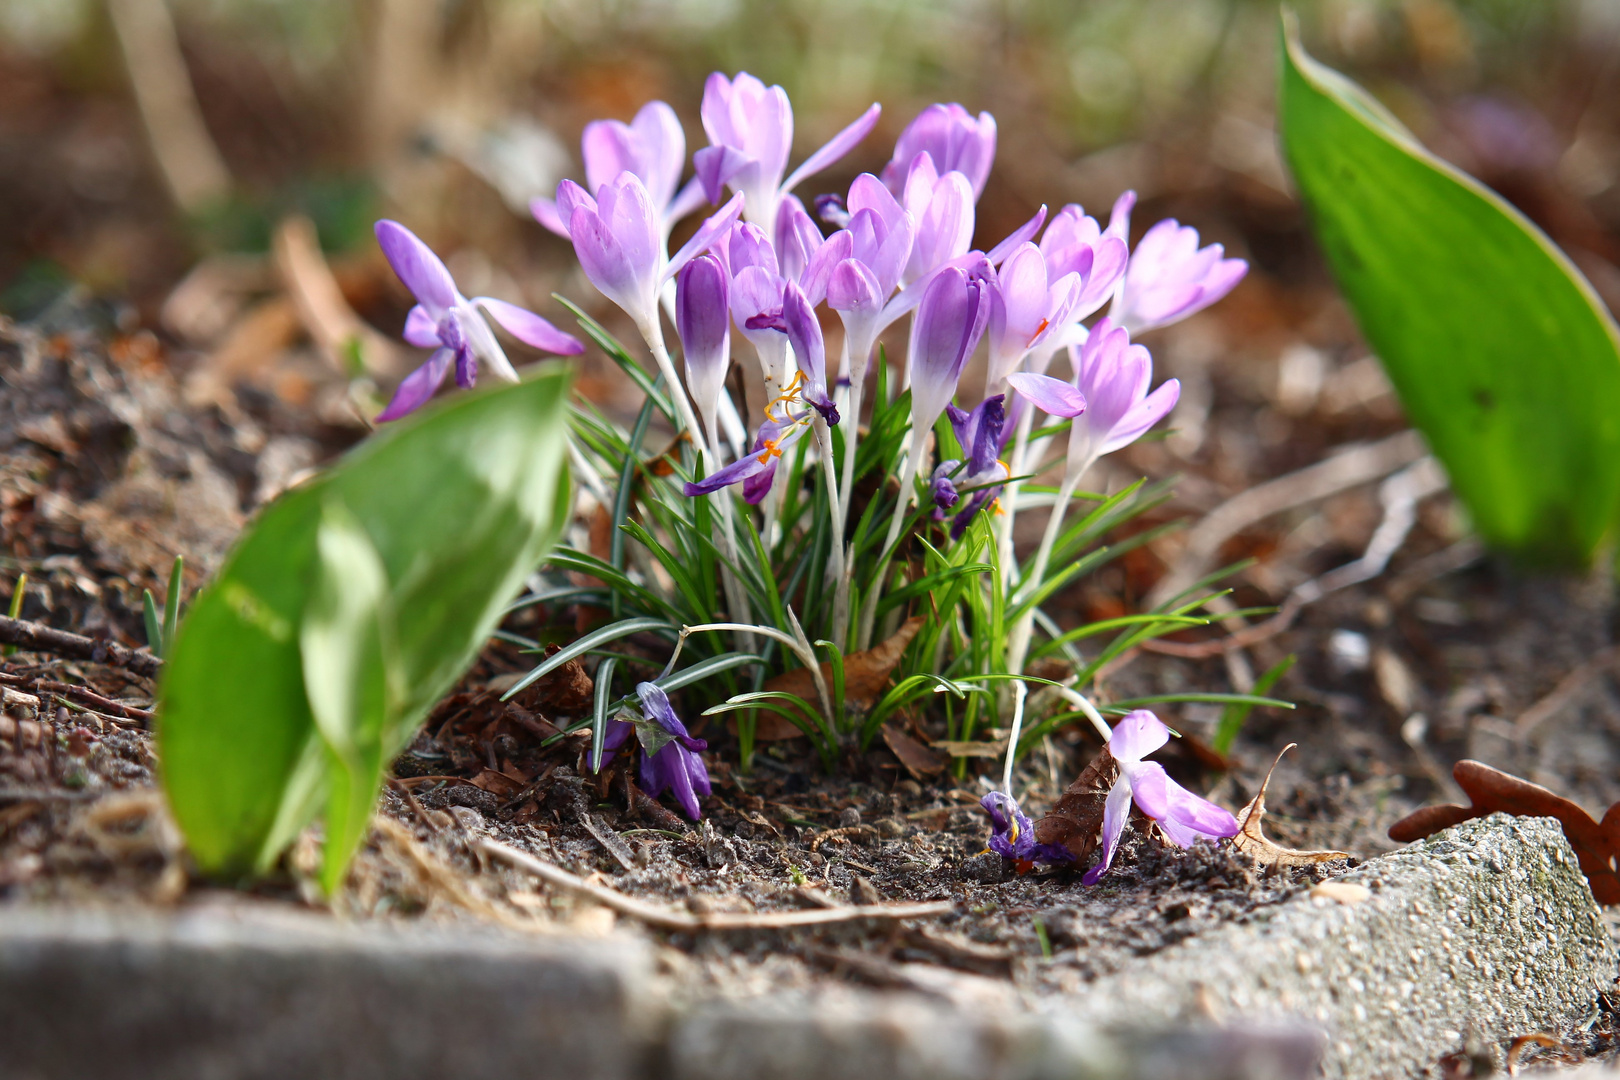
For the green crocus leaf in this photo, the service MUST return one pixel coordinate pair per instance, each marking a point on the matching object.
(1501, 352)
(345, 612)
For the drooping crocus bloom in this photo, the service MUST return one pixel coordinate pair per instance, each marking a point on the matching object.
(798, 321)
(950, 321)
(1012, 835)
(979, 433)
(1109, 398)
(1170, 277)
(652, 146)
(953, 139)
(751, 128)
(448, 323)
(703, 321)
(619, 241)
(1180, 815)
(756, 469)
(676, 763)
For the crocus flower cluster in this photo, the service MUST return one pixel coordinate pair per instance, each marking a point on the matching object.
(671, 759)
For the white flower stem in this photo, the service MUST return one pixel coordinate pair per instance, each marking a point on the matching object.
(1020, 691)
(1018, 640)
(835, 561)
(852, 431)
(908, 481)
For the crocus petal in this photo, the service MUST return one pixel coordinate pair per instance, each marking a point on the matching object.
(1052, 396)
(797, 238)
(749, 246)
(418, 387)
(815, 278)
(1136, 423)
(950, 321)
(953, 138)
(546, 213)
(604, 262)
(744, 467)
(1116, 812)
(530, 328)
(835, 147)
(690, 198)
(421, 329)
(1137, 735)
(757, 484)
(1183, 817)
(718, 166)
(421, 271)
(853, 287)
(709, 232)
(679, 778)
(570, 197)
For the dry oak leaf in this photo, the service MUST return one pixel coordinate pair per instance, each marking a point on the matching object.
(1076, 821)
(920, 761)
(1251, 838)
(866, 676)
(1596, 844)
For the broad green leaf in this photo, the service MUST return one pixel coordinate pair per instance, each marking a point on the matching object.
(1502, 354)
(460, 503)
(351, 677)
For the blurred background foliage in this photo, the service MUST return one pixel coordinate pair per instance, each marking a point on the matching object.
(452, 113)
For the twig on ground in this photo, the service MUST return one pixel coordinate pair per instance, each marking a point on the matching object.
(1400, 495)
(1566, 690)
(107, 706)
(1351, 468)
(37, 637)
(654, 915)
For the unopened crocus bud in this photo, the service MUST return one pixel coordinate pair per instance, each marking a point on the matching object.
(950, 321)
(703, 321)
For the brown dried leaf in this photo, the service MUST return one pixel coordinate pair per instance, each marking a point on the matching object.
(866, 677)
(567, 691)
(1596, 844)
(1076, 821)
(975, 749)
(1252, 840)
(920, 761)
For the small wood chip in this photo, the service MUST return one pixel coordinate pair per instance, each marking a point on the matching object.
(1343, 892)
(612, 841)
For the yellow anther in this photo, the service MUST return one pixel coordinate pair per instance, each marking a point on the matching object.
(789, 394)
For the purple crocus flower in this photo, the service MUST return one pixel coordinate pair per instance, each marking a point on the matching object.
(751, 128)
(941, 205)
(1012, 834)
(950, 321)
(1074, 243)
(797, 238)
(859, 266)
(755, 470)
(1170, 277)
(619, 240)
(448, 323)
(1109, 398)
(979, 433)
(652, 146)
(676, 763)
(703, 321)
(1181, 816)
(1026, 308)
(953, 139)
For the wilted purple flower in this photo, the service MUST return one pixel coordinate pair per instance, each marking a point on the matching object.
(941, 206)
(1109, 398)
(953, 139)
(1012, 834)
(979, 433)
(950, 321)
(449, 323)
(1182, 816)
(798, 321)
(751, 128)
(1025, 309)
(652, 146)
(1170, 277)
(756, 469)
(703, 321)
(619, 241)
(670, 757)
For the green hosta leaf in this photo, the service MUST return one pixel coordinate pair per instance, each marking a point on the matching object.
(458, 505)
(1503, 355)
